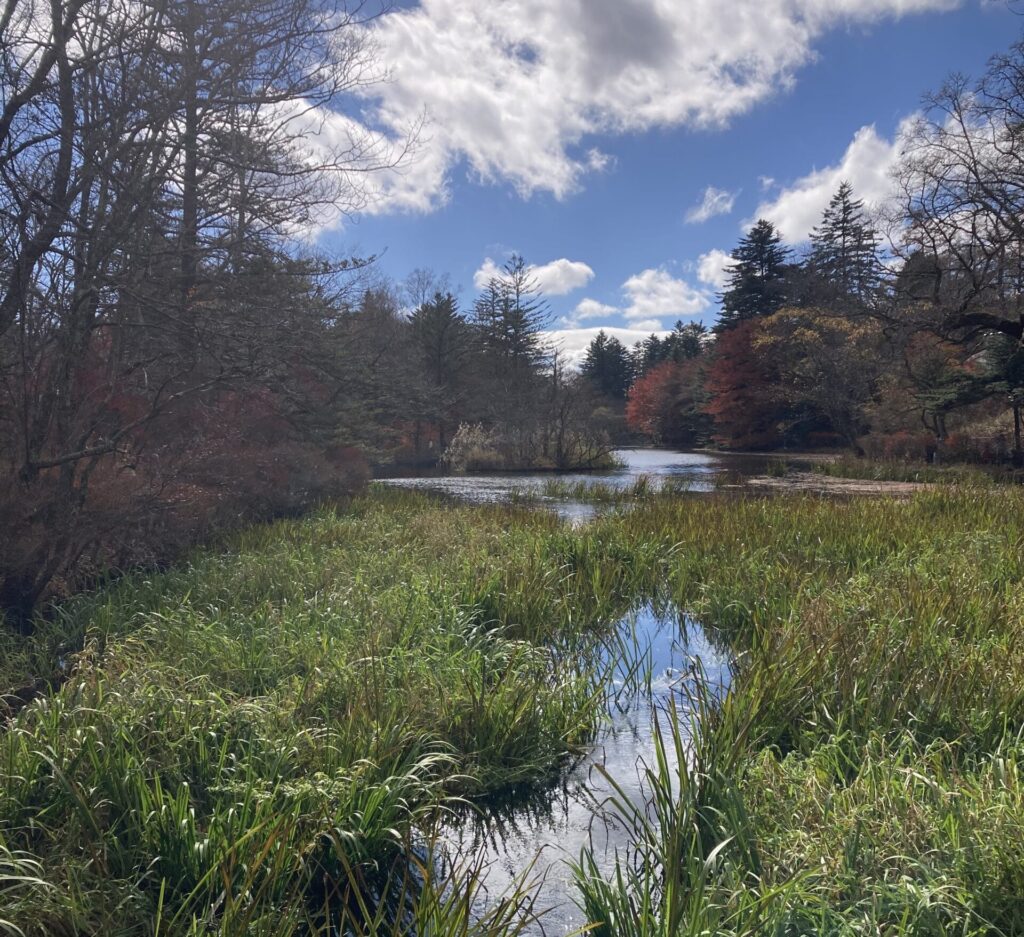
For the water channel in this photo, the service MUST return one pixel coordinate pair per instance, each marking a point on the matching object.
(546, 831)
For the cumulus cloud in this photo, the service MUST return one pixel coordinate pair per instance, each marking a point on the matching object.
(866, 165)
(655, 293)
(553, 279)
(573, 343)
(647, 325)
(514, 90)
(715, 202)
(592, 309)
(648, 297)
(713, 268)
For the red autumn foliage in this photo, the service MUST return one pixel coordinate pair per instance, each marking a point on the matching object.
(665, 404)
(739, 382)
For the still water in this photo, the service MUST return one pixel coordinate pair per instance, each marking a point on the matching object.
(546, 830)
(550, 828)
(697, 471)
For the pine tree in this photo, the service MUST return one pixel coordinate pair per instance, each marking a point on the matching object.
(443, 345)
(511, 315)
(647, 354)
(844, 259)
(757, 277)
(607, 366)
(686, 341)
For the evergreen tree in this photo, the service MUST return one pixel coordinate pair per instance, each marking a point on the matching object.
(686, 341)
(844, 259)
(647, 354)
(441, 336)
(757, 277)
(443, 344)
(511, 315)
(608, 366)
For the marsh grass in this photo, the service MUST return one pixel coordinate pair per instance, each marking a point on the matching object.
(898, 470)
(863, 773)
(260, 741)
(253, 737)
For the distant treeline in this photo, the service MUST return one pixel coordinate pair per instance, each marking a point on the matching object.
(912, 350)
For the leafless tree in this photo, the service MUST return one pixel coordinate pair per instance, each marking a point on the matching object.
(159, 161)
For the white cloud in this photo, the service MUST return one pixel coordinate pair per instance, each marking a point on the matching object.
(553, 279)
(573, 343)
(655, 293)
(515, 89)
(712, 268)
(592, 309)
(647, 325)
(715, 202)
(866, 165)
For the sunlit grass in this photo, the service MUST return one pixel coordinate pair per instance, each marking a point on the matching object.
(261, 740)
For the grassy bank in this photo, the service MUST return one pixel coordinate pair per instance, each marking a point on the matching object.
(248, 742)
(864, 774)
(900, 470)
(253, 741)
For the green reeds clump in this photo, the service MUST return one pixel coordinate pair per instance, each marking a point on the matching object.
(870, 742)
(244, 736)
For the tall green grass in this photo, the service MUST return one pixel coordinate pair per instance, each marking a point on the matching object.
(250, 742)
(263, 739)
(863, 774)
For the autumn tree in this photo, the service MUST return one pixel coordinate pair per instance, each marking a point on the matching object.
(740, 378)
(667, 404)
(828, 369)
(155, 164)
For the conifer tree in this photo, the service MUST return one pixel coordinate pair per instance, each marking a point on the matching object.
(511, 314)
(757, 277)
(607, 366)
(844, 259)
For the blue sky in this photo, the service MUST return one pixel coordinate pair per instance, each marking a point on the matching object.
(585, 134)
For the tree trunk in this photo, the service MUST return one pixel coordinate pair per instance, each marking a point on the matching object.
(19, 593)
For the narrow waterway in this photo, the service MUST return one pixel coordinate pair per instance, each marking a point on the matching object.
(659, 654)
(547, 831)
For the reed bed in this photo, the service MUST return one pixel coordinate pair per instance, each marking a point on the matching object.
(259, 740)
(863, 774)
(262, 740)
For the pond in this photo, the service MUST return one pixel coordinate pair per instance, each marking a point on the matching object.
(550, 828)
(696, 471)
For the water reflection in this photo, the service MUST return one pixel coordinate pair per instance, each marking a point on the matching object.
(550, 827)
(697, 471)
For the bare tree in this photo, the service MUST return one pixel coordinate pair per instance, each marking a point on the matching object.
(961, 182)
(158, 159)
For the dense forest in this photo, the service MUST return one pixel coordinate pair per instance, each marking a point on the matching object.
(175, 359)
